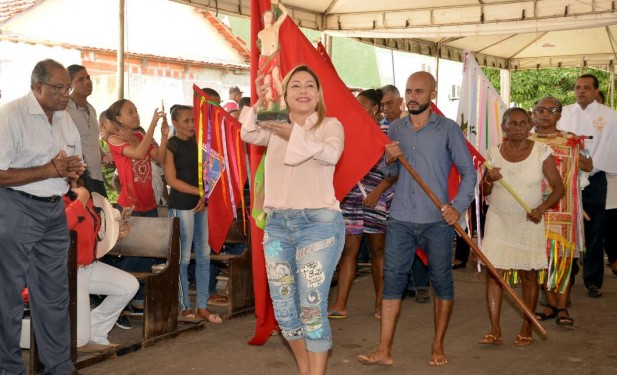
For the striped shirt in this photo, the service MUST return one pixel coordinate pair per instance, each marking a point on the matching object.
(28, 140)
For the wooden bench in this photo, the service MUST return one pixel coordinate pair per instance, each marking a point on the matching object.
(239, 268)
(156, 238)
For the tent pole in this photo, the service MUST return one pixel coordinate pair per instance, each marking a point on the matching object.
(437, 71)
(326, 40)
(393, 70)
(505, 82)
(612, 87)
(120, 55)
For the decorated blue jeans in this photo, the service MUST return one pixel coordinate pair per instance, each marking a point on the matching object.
(302, 248)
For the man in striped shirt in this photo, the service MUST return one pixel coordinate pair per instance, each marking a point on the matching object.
(39, 148)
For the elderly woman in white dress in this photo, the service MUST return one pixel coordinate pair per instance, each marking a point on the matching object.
(514, 241)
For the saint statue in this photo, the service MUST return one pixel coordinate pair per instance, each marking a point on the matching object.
(273, 106)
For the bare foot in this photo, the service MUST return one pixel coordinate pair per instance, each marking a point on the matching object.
(377, 358)
(438, 357)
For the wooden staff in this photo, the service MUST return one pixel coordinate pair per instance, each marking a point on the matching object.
(510, 190)
(476, 250)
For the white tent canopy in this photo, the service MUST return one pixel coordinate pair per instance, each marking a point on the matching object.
(507, 34)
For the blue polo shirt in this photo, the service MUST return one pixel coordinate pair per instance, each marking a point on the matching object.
(431, 152)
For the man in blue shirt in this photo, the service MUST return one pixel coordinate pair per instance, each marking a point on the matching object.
(431, 144)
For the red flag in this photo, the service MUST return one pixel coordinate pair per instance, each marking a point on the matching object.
(223, 166)
(364, 141)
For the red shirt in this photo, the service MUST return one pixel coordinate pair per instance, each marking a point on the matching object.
(135, 178)
(86, 222)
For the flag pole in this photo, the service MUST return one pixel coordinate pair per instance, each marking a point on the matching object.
(476, 250)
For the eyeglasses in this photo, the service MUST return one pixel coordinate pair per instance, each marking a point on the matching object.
(60, 90)
(513, 124)
(541, 110)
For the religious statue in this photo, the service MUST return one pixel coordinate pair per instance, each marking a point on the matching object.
(273, 106)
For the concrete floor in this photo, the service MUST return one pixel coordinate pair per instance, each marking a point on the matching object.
(589, 348)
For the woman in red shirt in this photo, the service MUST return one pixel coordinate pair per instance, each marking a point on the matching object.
(94, 277)
(132, 153)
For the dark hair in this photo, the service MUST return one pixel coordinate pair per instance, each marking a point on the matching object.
(114, 111)
(596, 84)
(74, 69)
(374, 95)
(211, 92)
(554, 99)
(509, 111)
(244, 101)
(40, 73)
(389, 89)
(177, 108)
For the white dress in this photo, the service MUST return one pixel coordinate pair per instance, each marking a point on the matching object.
(510, 240)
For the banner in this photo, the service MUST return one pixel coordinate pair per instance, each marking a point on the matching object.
(221, 164)
(480, 107)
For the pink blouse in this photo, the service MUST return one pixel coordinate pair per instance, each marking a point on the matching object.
(299, 174)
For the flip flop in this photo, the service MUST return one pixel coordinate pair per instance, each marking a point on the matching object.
(523, 340)
(210, 317)
(187, 316)
(565, 321)
(490, 339)
(333, 314)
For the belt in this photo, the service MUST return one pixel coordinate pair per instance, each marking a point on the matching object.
(52, 199)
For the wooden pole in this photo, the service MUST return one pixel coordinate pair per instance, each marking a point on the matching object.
(476, 250)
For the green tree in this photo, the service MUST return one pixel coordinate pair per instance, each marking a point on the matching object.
(528, 86)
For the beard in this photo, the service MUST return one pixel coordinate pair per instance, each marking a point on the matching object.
(421, 108)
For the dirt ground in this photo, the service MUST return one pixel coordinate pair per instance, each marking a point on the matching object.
(588, 348)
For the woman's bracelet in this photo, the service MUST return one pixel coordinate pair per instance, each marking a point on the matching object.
(56, 168)
(486, 181)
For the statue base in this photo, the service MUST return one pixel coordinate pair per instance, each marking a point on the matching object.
(278, 116)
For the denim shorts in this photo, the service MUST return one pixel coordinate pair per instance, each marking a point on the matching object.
(402, 239)
(302, 248)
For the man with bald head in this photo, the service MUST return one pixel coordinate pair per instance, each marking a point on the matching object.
(39, 148)
(430, 143)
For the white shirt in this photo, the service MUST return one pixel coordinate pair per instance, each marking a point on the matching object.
(299, 174)
(27, 139)
(88, 127)
(600, 122)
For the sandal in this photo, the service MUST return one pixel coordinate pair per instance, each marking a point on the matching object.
(565, 321)
(189, 317)
(333, 314)
(210, 317)
(523, 340)
(543, 316)
(490, 339)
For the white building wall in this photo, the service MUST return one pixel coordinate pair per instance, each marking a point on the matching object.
(450, 73)
(148, 28)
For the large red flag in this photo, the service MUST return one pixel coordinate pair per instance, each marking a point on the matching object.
(222, 166)
(364, 141)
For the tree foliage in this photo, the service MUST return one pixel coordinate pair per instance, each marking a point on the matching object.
(527, 86)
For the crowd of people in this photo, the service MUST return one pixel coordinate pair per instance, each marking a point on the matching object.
(557, 160)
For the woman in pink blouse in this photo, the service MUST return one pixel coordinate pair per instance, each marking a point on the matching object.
(305, 231)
